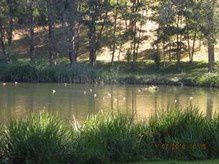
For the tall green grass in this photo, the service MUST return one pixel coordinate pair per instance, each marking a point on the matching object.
(184, 135)
(38, 139)
(176, 135)
(121, 72)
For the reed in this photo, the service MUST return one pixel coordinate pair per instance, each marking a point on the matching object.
(178, 134)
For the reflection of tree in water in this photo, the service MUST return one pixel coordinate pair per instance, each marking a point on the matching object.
(31, 98)
(134, 112)
(91, 103)
(111, 98)
(209, 110)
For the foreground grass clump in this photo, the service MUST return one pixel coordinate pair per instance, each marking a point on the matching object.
(175, 135)
(185, 135)
(38, 139)
(109, 138)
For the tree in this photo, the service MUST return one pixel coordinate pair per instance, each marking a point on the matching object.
(50, 4)
(97, 13)
(210, 28)
(31, 5)
(3, 28)
(73, 18)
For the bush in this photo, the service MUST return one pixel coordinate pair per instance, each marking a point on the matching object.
(184, 135)
(109, 138)
(38, 139)
(177, 134)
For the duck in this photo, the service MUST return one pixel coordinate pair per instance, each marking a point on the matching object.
(153, 88)
(53, 91)
(139, 90)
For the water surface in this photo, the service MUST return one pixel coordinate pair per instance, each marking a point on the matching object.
(82, 100)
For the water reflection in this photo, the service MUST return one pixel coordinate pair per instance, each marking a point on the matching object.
(23, 99)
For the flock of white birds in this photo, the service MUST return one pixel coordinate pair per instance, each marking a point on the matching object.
(109, 95)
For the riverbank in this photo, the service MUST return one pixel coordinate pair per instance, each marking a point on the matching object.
(186, 74)
(179, 134)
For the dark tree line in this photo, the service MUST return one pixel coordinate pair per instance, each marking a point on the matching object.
(181, 25)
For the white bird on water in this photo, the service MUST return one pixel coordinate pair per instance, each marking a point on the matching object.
(85, 92)
(53, 91)
(91, 90)
(109, 94)
(181, 84)
(65, 84)
(4, 84)
(15, 83)
(95, 95)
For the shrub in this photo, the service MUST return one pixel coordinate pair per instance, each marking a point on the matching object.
(38, 139)
(109, 138)
(184, 135)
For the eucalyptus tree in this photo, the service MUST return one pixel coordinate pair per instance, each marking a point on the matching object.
(210, 28)
(50, 4)
(31, 8)
(96, 18)
(192, 31)
(3, 28)
(11, 14)
(178, 27)
(73, 18)
(116, 6)
(137, 20)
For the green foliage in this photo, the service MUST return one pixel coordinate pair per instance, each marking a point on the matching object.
(118, 73)
(187, 134)
(38, 139)
(181, 134)
(109, 138)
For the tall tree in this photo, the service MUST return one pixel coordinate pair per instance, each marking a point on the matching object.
(3, 28)
(11, 6)
(97, 13)
(31, 4)
(210, 29)
(51, 23)
(73, 18)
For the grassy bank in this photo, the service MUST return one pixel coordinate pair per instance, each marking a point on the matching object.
(120, 73)
(175, 135)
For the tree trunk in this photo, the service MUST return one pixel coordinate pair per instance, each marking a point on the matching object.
(10, 21)
(2, 42)
(92, 41)
(72, 44)
(114, 33)
(31, 33)
(178, 55)
(52, 44)
(211, 57)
